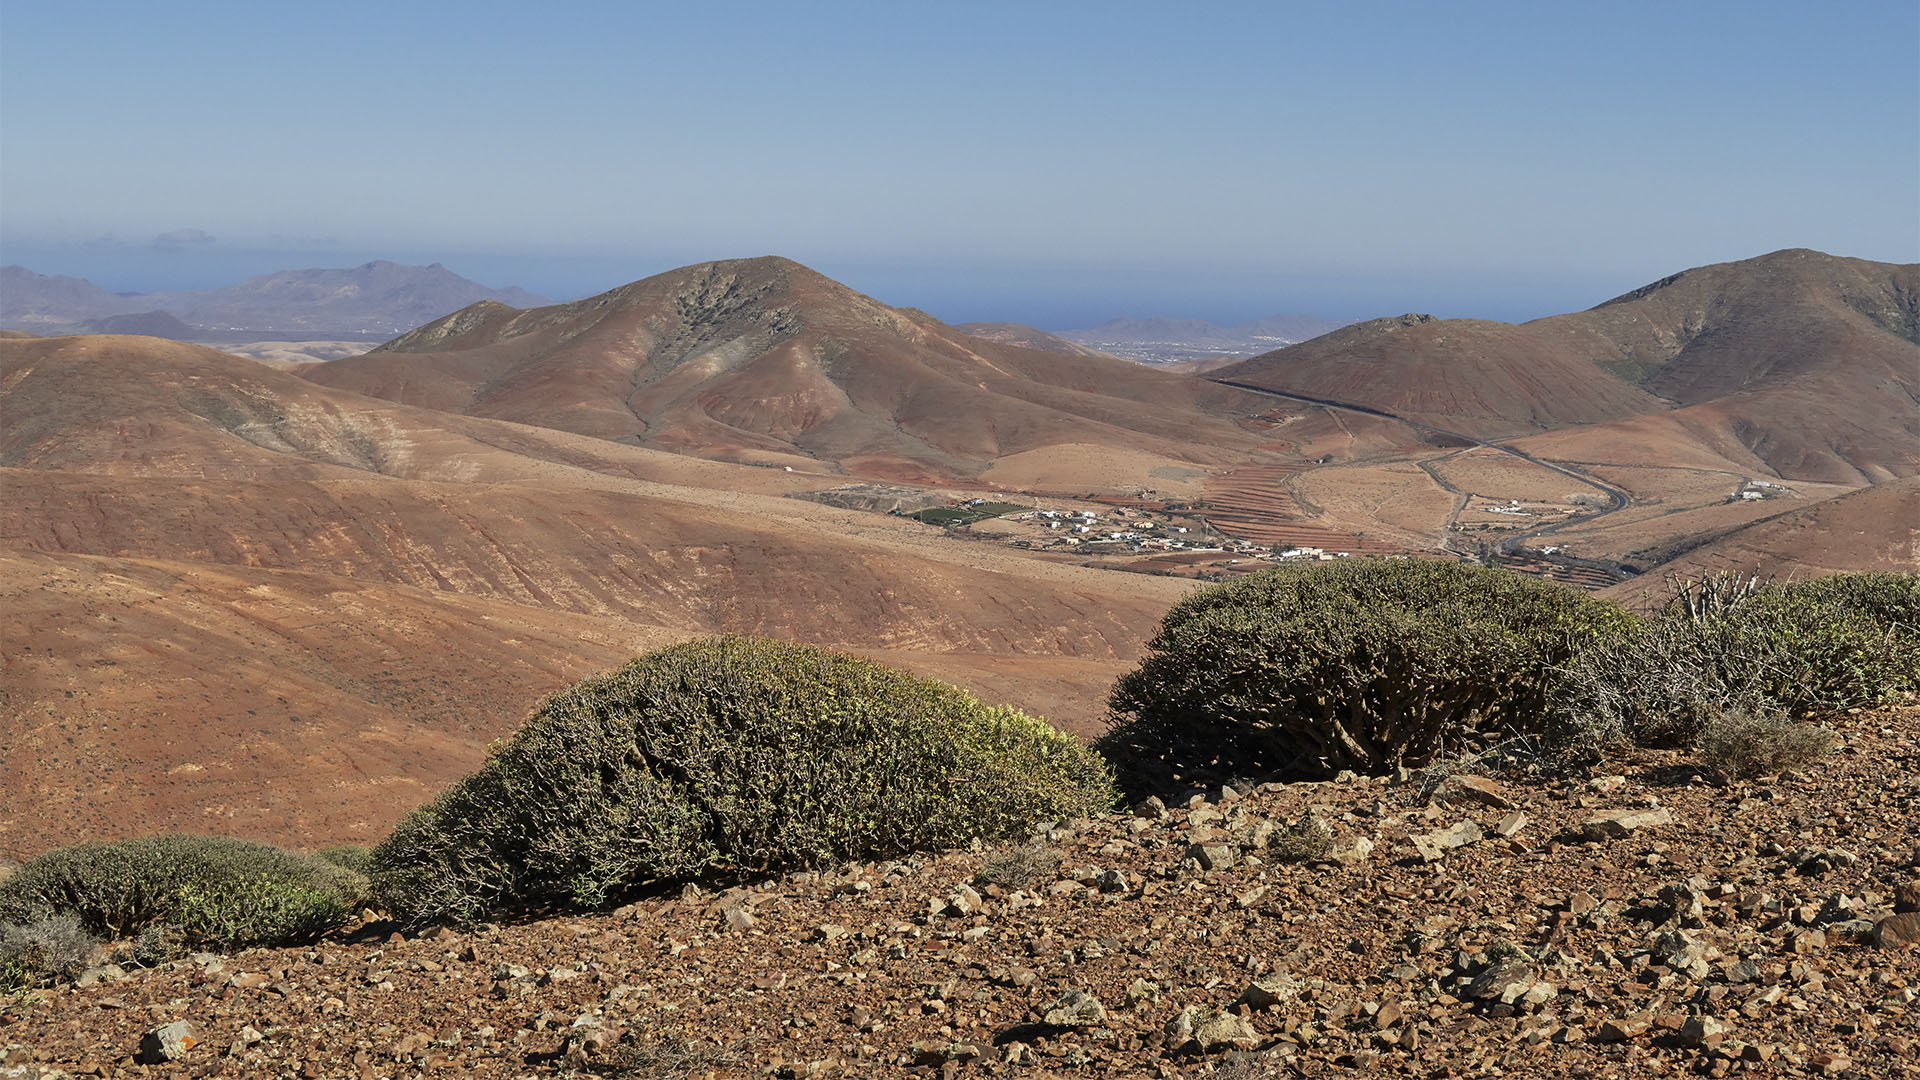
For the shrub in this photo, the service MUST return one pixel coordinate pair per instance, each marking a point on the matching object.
(1309, 839)
(1741, 745)
(45, 949)
(1017, 868)
(349, 856)
(222, 892)
(1801, 649)
(1361, 664)
(726, 756)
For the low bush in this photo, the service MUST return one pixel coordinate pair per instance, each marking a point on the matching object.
(1802, 649)
(1309, 839)
(43, 950)
(349, 856)
(1017, 868)
(1358, 664)
(1741, 745)
(726, 756)
(220, 892)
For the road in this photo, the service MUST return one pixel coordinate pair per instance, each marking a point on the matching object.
(1617, 499)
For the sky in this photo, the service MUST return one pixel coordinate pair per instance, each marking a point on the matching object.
(1054, 163)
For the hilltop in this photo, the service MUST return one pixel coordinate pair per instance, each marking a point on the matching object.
(1801, 363)
(765, 361)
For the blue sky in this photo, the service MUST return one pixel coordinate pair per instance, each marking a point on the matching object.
(1052, 163)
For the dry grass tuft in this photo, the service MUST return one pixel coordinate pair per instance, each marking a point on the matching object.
(1741, 744)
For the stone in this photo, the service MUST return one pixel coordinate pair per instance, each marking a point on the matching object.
(1464, 788)
(1354, 852)
(1213, 856)
(1898, 931)
(1704, 1031)
(1620, 824)
(1511, 824)
(1433, 846)
(169, 1042)
(1511, 983)
(1075, 1008)
(93, 976)
(739, 918)
(1830, 1064)
(1221, 1031)
(1624, 1029)
(963, 901)
(1268, 992)
(589, 1042)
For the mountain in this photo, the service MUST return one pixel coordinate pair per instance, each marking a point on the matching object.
(1026, 337)
(375, 300)
(43, 304)
(1166, 341)
(765, 361)
(1800, 363)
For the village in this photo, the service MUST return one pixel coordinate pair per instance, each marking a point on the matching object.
(1127, 537)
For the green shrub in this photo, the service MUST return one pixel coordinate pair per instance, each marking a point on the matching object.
(1802, 649)
(1358, 664)
(349, 856)
(726, 756)
(222, 892)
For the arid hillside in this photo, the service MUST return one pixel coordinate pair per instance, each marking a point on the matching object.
(1872, 529)
(765, 361)
(201, 549)
(1806, 363)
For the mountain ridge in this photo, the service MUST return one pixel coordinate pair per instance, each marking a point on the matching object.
(1808, 360)
(767, 361)
(377, 298)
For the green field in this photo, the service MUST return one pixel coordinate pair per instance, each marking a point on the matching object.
(966, 515)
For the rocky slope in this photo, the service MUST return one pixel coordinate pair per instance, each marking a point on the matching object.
(1638, 921)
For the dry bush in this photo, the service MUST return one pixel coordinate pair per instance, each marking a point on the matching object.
(1308, 840)
(1723, 646)
(1017, 868)
(43, 951)
(666, 1056)
(1741, 744)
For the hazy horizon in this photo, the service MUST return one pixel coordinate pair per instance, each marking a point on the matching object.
(1056, 165)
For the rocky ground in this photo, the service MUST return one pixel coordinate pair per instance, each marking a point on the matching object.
(1635, 921)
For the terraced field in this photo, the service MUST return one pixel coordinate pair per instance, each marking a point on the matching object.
(1253, 503)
